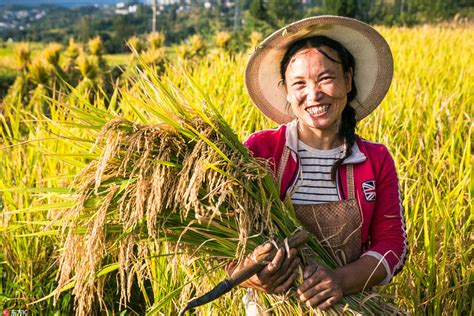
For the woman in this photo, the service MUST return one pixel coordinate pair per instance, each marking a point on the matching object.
(318, 77)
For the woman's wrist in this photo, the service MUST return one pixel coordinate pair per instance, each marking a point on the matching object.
(360, 275)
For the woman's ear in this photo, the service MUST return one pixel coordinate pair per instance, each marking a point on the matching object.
(348, 77)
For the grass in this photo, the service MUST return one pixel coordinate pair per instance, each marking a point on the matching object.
(425, 121)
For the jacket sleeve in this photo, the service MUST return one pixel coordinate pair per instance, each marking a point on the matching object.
(388, 241)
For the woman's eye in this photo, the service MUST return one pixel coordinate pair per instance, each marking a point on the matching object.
(298, 84)
(325, 79)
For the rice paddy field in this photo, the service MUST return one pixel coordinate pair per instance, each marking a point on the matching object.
(125, 191)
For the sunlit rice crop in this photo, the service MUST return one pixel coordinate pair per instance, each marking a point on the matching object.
(425, 121)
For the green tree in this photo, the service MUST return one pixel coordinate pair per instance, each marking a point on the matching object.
(257, 18)
(83, 27)
(341, 7)
(282, 12)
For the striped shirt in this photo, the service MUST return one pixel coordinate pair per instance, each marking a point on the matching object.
(314, 182)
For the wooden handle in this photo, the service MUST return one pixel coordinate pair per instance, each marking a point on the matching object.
(297, 239)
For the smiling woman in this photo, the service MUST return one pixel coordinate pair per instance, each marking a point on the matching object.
(318, 77)
(317, 85)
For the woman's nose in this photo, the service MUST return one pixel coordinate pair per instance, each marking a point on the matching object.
(314, 92)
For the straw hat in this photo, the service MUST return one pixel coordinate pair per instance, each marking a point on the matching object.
(373, 64)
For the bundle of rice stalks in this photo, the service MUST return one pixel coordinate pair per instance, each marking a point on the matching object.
(72, 50)
(183, 51)
(197, 45)
(52, 53)
(89, 67)
(96, 47)
(71, 53)
(156, 40)
(222, 40)
(23, 56)
(154, 57)
(255, 39)
(136, 44)
(186, 184)
(39, 72)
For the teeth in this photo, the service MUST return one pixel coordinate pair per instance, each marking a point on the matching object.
(317, 109)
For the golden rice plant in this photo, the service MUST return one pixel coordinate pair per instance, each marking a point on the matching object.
(69, 67)
(52, 53)
(39, 72)
(255, 39)
(96, 46)
(156, 40)
(136, 44)
(88, 66)
(22, 56)
(153, 57)
(96, 49)
(183, 51)
(193, 48)
(222, 39)
(425, 121)
(72, 50)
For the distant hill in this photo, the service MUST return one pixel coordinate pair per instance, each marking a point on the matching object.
(66, 3)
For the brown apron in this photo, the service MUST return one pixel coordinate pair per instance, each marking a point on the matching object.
(336, 225)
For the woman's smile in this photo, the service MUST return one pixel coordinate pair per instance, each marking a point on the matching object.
(317, 110)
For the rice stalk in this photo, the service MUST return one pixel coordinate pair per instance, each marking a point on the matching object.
(255, 39)
(156, 40)
(23, 56)
(52, 53)
(96, 46)
(136, 44)
(222, 40)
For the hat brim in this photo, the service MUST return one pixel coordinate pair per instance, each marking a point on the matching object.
(373, 64)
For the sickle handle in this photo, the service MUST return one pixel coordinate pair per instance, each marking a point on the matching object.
(297, 239)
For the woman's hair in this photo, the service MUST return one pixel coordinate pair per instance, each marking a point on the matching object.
(348, 120)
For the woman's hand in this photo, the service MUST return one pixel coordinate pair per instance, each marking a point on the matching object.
(321, 287)
(276, 277)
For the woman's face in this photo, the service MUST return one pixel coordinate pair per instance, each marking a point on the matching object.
(317, 89)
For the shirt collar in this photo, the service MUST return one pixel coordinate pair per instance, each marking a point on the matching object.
(292, 142)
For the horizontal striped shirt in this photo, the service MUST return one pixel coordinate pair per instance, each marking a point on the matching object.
(314, 183)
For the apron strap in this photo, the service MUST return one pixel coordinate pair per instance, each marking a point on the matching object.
(350, 181)
(281, 167)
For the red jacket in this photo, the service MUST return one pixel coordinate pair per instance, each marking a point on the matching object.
(376, 186)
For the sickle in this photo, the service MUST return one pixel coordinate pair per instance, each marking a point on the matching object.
(297, 239)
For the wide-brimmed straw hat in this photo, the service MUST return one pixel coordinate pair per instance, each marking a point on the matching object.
(373, 64)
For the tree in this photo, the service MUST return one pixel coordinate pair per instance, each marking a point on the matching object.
(83, 28)
(257, 18)
(282, 12)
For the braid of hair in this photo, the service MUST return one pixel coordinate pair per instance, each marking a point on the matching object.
(347, 131)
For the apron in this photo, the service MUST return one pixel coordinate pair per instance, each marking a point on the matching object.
(336, 225)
